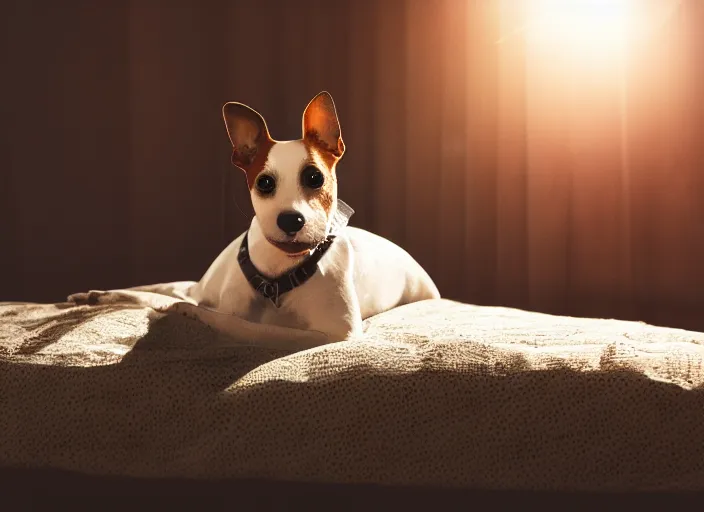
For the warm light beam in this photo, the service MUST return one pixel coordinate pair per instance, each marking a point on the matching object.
(581, 25)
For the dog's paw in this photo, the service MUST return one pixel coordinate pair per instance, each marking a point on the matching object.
(91, 298)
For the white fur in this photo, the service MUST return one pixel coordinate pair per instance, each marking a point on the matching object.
(361, 274)
(285, 161)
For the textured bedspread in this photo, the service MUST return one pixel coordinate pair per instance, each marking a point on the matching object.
(435, 393)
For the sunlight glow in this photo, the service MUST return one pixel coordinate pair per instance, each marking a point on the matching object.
(591, 26)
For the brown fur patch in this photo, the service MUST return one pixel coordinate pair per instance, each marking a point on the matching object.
(252, 143)
(325, 195)
(256, 159)
(250, 138)
(313, 138)
(322, 138)
(321, 127)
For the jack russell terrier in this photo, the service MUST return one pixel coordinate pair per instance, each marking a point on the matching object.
(299, 274)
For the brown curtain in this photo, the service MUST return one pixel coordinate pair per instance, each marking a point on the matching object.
(516, 172)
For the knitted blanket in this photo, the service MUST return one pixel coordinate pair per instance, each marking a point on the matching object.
(434, 393)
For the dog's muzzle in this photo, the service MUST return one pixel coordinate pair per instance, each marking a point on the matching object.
(293, 248)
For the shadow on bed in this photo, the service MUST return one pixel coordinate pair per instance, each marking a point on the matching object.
(176, 416)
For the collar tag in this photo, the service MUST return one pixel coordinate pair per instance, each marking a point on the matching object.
(270, 290)
(273, 288)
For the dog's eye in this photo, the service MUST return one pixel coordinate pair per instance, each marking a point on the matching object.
(266, 184)
(312, 177)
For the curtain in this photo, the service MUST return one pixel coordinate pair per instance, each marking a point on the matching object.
(517, 170)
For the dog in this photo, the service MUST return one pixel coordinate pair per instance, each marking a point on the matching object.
(298, 267)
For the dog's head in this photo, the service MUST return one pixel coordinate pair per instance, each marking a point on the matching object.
(292, 183)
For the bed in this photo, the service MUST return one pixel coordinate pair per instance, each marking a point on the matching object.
(437, 400)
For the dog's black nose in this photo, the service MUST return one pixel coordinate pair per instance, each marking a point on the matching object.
(290, 222)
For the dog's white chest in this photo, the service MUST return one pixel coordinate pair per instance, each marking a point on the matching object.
(359, 276)
(225, 288)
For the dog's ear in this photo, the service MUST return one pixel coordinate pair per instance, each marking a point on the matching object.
(247, 131)
(320, 125)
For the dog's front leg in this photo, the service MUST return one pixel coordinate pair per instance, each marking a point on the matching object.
(178, 289)
(341, 318)
(340, 328)
(143, 295)
(152, 300)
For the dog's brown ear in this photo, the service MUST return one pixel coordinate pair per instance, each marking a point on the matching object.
(248, 133)
(320, 125)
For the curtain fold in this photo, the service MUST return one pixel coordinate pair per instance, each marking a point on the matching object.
(517, 172)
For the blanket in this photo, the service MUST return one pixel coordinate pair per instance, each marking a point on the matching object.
(435, 393)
